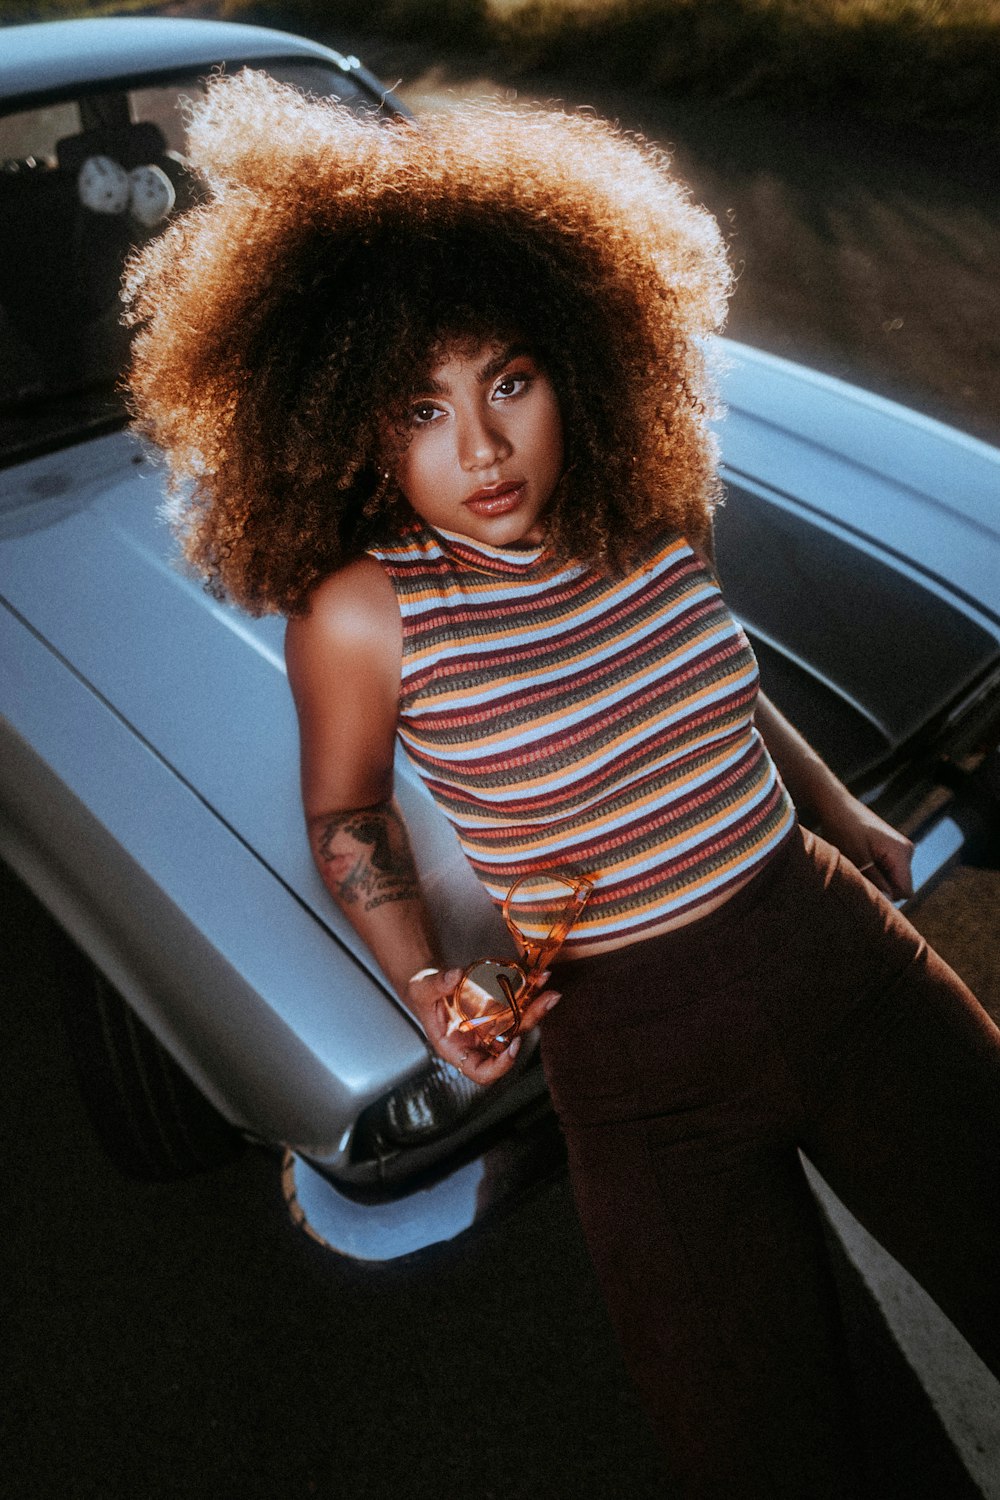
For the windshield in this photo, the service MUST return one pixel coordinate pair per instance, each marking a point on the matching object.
(82, 182)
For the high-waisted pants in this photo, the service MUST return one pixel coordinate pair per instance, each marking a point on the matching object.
(687, 1071)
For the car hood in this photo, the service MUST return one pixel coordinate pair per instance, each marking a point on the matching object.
(200, 682)
(925, 494)
(860, 544)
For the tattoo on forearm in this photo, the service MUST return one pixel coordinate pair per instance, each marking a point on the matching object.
(365, 857)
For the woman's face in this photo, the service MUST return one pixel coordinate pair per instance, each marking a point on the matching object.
(485, 445)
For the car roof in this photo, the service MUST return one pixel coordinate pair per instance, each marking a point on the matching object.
(52, 56)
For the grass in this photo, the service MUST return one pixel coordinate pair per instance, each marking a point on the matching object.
(928, 62)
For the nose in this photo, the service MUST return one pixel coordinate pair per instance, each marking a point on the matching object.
(481, 441)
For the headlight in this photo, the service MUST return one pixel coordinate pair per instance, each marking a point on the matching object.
(433, 1103)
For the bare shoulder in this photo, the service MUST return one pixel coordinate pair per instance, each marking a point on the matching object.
(355, 604)
(353, 616)
(344, 657)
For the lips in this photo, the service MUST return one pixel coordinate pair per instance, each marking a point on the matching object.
(496, 499)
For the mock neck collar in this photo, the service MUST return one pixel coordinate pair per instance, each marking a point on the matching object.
(516, 558)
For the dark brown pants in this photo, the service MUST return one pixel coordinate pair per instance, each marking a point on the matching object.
(687, 1071)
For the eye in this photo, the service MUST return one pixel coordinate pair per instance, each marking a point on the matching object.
(512, 384)
(423, 413)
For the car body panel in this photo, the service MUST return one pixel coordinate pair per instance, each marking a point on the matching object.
(157, 868)
(924, 493)
(55, 57)
(887, 525)
(872, 627)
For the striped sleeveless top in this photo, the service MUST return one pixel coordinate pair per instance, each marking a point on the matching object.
(567, 721)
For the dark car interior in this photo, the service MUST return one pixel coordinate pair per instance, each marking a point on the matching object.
(62, 344)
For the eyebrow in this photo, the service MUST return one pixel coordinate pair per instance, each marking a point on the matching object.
(506, 356)
(491, 368)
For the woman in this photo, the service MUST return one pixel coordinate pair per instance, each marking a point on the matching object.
(441, 396)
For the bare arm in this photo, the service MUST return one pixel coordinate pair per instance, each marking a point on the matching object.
(344, 661)
(873, 845)
(364, 857)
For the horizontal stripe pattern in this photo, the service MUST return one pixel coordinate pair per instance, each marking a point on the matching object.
(567, 721)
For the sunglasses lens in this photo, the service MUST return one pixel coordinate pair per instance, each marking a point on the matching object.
(485, 1000)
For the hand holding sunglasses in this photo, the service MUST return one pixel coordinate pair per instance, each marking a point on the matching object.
(492, 995)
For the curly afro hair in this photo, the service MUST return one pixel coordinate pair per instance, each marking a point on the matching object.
(284, 322)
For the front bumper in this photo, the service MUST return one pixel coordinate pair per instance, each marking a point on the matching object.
(445, 1204)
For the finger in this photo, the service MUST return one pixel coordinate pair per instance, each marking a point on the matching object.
(892, 886)
(471, 1058)
(539, 1007)
(449, 1036)
(893, 855)
(460, 1053)
(440, 1018)
(480, 1067)
(483, 1068)
(447, 1023)
(896, 866)
(874, 876)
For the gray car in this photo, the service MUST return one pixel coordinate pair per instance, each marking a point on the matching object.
(148, 747)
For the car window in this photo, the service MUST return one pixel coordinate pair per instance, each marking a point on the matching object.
(82, 182)
(34, 132)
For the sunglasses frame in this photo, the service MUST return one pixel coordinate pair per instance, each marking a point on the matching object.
(536, 956)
